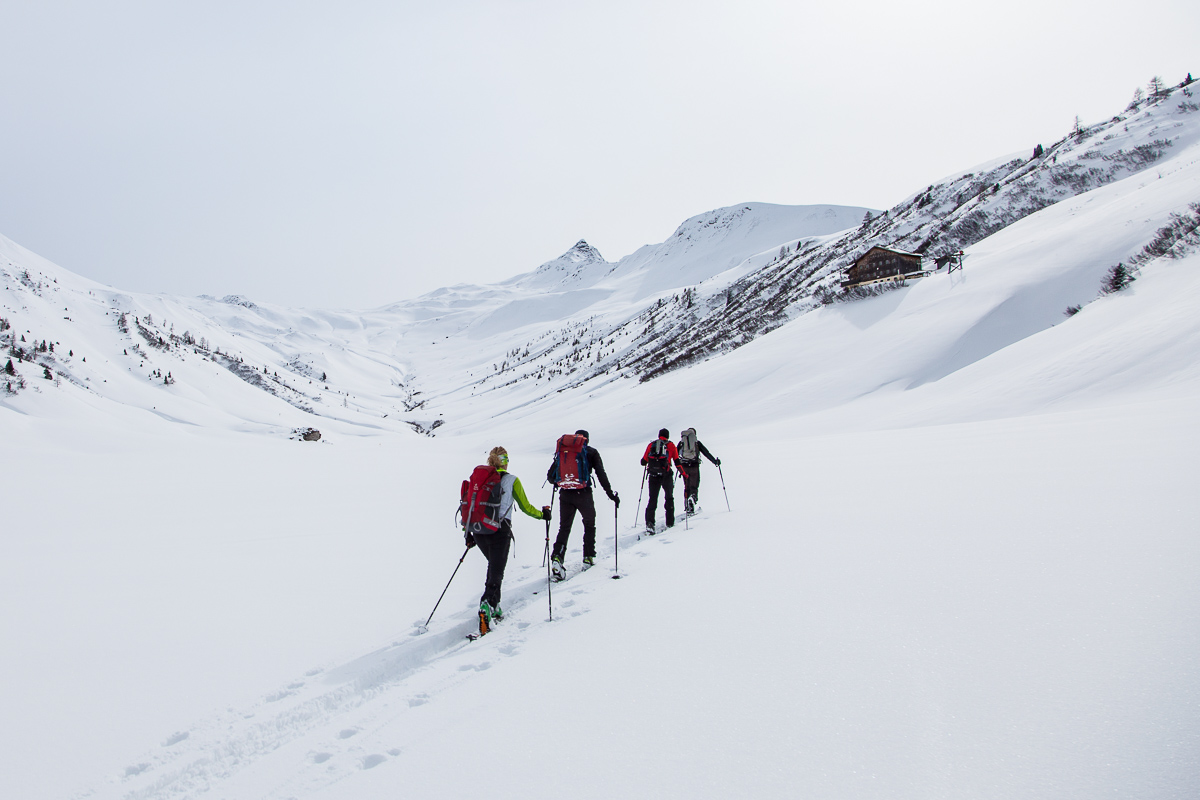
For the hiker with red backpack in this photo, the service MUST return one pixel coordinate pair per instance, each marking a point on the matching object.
(571, 474)
(690, 449)
(486, 506)
(658, 458)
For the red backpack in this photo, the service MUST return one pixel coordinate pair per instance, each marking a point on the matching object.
(479, 504)
(571, 469)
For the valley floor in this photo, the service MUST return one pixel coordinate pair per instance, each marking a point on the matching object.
(1000, 608)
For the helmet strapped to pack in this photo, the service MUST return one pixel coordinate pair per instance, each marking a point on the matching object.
(479, 503)
(689, 445)
(571, 469)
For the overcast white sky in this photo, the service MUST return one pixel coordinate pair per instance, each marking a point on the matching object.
(355, 153)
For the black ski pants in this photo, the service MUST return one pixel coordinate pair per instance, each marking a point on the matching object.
(494, 547)
(667, 484)
(570, 501)
(691, 484)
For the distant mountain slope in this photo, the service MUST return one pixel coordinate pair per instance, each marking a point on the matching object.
(942, 218)
(209, 361)
(465, 354)
(710, 244)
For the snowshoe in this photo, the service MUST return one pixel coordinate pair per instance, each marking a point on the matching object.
(485, 618)
(557, 571)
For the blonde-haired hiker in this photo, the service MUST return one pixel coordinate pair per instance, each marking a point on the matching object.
(487, 522)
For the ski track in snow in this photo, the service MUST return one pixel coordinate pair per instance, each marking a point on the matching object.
(325, 711)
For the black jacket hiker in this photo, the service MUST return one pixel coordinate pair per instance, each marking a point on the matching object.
(572, 500)
(691, 463)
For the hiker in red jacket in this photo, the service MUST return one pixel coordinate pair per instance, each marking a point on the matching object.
(658, 458)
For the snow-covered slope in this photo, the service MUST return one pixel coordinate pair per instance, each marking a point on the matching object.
(264, 365)
(950, 551)
(462, 354)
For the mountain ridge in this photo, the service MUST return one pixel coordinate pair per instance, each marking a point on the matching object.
(578, 322)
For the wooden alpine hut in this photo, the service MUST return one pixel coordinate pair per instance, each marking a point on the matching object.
(881, 265)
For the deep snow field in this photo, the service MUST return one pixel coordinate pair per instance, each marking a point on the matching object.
(1002, 608)
(958, 560)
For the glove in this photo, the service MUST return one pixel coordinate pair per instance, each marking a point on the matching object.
(470, 540)
(616, 498)
(546, 515)
(643, 462)
(718, 462)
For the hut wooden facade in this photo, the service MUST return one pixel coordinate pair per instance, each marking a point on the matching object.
(882, 264)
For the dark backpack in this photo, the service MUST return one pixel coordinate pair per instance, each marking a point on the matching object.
(571, 469)
(656, 458)
(479, 503)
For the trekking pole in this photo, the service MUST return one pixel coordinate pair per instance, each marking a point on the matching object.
(549, 597)
(722, 474)
(639, 502)
(425, 627)
(546, 554)
(686, 525)
(616, 539)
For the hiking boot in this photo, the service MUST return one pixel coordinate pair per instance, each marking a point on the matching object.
(497, 614)
(557, 569)
(589, 561)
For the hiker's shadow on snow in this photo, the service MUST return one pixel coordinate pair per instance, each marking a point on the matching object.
(864, 313)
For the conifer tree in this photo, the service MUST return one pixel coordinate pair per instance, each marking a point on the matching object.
(1118, 278)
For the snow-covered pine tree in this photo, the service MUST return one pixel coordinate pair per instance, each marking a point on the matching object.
(1116, 279)
(1156, 88)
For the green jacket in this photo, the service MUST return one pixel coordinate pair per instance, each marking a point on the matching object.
(512, 490)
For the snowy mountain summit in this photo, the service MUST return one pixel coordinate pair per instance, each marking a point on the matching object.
(579, 265)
